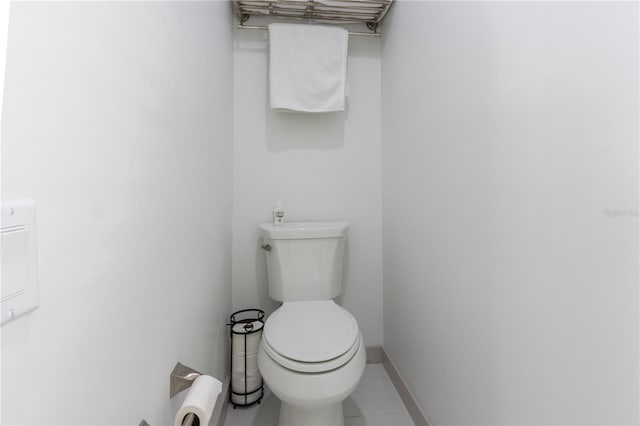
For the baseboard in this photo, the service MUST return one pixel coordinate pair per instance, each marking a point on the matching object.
(219, 414)
(374, 354)
(416, 412)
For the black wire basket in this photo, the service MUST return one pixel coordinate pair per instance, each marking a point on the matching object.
(245, 331)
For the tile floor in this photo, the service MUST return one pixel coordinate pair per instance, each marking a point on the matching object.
(375, 402)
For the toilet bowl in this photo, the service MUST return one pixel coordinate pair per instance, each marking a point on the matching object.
(312, 357)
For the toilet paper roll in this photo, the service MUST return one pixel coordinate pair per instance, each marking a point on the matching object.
(252, 339)
(241, 376)
(242, 400)
(200, 400)
(253, 383)
(238, 363)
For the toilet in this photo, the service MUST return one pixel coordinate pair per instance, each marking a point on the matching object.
(312, 355)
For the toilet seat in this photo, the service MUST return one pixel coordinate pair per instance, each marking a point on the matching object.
(311, 336)
(311, 367)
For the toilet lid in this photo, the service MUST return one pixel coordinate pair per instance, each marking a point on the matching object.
(311, 331)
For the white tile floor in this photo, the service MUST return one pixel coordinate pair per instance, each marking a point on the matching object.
(375, 402)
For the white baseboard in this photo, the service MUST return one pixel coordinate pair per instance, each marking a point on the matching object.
(416, 412)
(375, 355)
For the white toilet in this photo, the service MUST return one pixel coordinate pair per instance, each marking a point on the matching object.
(312, 355)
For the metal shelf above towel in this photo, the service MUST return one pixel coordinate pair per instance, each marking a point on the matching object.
(368, 12)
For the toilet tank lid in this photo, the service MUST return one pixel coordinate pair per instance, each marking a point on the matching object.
(304, 230)
(311, 331)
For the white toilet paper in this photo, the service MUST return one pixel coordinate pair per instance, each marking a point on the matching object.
(253, 383)
(253, 339)
(253, 388)
(241, 400)
(238, 363)
(200, 400)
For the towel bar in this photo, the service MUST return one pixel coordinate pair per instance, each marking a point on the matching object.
(258, 27)
(369, 12)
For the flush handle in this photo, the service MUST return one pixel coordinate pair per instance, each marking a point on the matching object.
(265, 247)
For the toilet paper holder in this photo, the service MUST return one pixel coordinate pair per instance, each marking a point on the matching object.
(182, 378)
(245, 331)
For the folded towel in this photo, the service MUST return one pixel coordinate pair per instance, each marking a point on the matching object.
(307, 67)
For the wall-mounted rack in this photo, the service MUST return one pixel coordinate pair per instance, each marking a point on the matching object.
(367, 12)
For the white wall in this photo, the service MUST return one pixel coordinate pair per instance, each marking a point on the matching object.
(4, 30)
(117, 121)
(510, 175)
(320, 166)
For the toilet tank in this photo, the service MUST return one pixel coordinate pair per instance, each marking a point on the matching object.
(304, 260)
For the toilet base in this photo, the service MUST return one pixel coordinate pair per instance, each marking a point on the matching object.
(312, 399)
(327, 415)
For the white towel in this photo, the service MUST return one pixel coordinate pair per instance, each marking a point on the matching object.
(307, 67)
